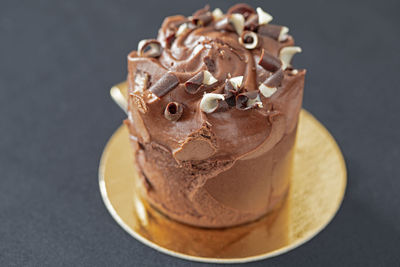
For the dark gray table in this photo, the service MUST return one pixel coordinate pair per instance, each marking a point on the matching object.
(58, 60)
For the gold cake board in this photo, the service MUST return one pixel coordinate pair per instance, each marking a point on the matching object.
(317, 190)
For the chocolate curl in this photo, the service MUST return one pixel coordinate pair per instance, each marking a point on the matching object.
(286, 54)
(209, 102)
(217, 14)
(194, 84)
(149, 48)
(269, 62)
(173, 111)
(199, 81)
(251, 23)
(232, 23)
(276, 32)
(243, 9)
(224, 24)
(271, 84)
(249, 39)
(230, 93)
(202, 17)
(165, 84)
(263, 17)
(275, 79)
(248, 100)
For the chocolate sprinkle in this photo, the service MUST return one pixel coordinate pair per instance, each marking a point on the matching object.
(269, 62)
(243, 9)
(194, 84)
(165, 84)
(173, 111)
(275, 79)
(270, 30)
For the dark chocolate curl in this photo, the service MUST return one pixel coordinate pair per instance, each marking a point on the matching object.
(173, 111)
(165, 84)
(270, 30)
(194, 84)
(243, 98)
(243, 9)
(241, 101)
(229, 89)
(275, 79)
(269, 62)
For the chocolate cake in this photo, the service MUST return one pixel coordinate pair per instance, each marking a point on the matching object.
(213, 108)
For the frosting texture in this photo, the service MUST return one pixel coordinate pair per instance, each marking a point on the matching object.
(215, 93)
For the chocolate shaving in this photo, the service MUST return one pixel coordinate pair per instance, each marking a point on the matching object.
(149, 48)
(251, 23)
(173, 111)
(275, 79)
(269, 62)
(194, 84)
(243, 9)
(210, 64)
(273, 31)
(165, 84)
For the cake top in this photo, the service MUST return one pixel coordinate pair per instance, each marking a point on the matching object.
(213, 68)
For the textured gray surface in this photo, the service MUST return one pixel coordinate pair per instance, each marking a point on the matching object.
(58, 60)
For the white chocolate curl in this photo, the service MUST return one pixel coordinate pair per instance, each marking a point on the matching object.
(283, 35)
(286, 54)
(267, 91)
(217, 14)
(263, 17)
(209, 102)
(208, 79)
(237, 21)
(154, 48)
(236, 81)
(251, 45)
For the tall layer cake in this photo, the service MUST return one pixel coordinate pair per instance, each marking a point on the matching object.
(212, 114)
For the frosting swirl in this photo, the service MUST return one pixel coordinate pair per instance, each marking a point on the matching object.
(230, 77)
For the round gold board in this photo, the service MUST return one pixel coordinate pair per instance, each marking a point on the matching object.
(317, 190)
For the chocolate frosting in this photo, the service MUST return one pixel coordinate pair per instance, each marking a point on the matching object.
(189, 46)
